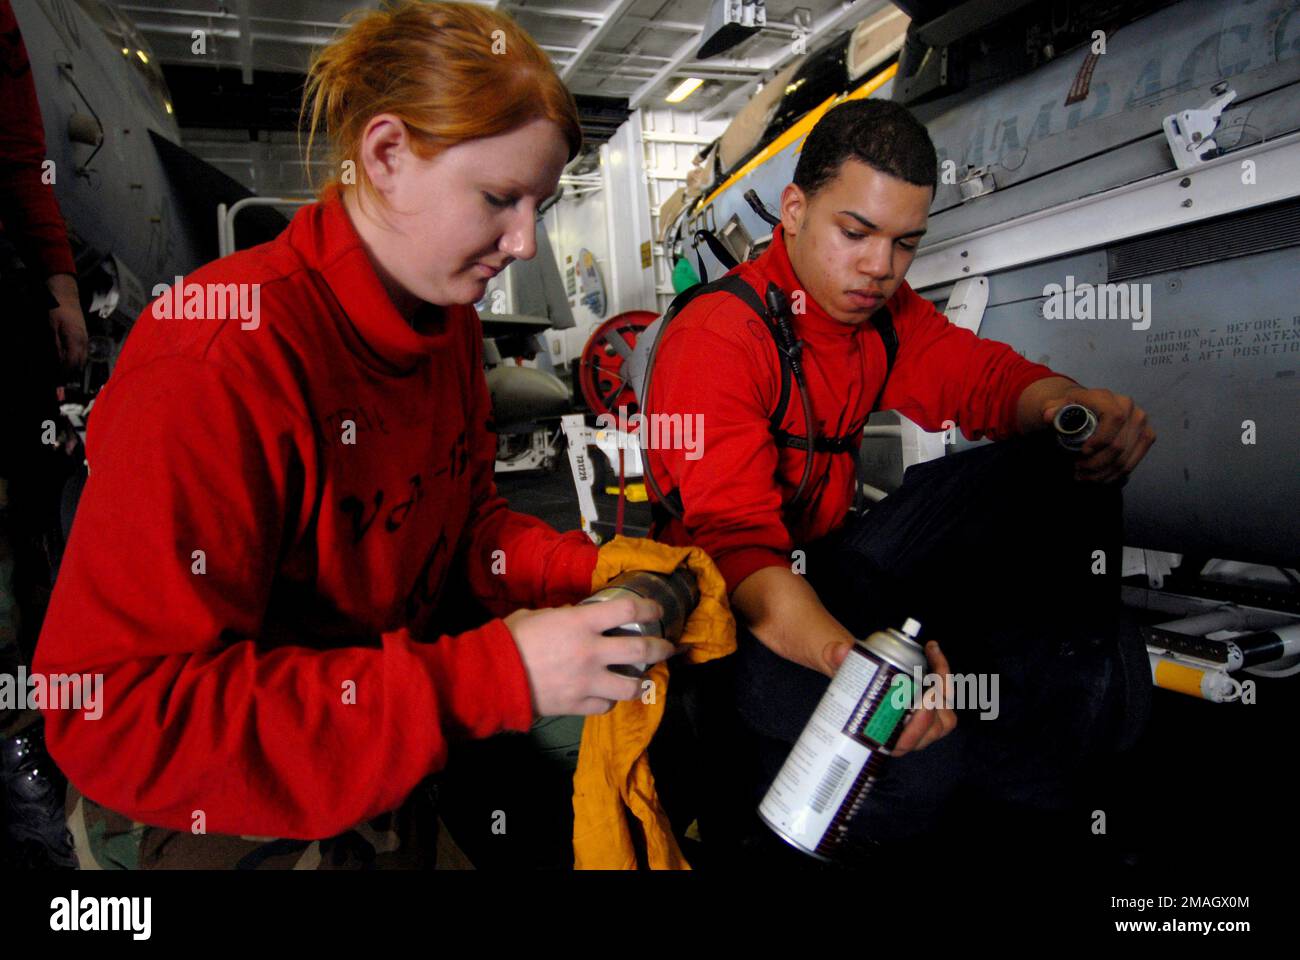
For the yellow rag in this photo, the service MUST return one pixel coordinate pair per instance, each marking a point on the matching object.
(613, 769)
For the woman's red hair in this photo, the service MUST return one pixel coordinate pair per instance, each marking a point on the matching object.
(450, 71)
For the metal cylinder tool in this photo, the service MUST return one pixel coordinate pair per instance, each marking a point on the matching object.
(1074, 424)
(676, 593)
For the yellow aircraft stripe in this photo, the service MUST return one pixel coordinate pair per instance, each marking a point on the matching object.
(797, 131)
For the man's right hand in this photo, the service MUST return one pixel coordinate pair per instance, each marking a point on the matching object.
(783, 611)
(567, 658)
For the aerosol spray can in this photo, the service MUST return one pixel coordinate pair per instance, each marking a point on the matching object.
(842, 750)
(676, 593)
(1074, 424)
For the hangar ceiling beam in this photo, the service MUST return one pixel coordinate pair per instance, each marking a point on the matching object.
(245, 39)
(593, 37)
(558, 13)
(683, 61)
(231, 33)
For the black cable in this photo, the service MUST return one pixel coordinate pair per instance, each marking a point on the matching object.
(84, 169)
(755, 204)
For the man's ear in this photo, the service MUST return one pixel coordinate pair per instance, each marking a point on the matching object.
(794, 206)
(385, 144)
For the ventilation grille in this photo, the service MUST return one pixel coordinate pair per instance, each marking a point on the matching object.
(1260, 230)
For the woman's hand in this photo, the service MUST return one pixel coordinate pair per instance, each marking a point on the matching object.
(568, 659)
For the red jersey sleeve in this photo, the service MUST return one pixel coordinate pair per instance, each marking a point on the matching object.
(198, 715)
(731, 496)
(945, 372)
(29, 213)
(514, 560)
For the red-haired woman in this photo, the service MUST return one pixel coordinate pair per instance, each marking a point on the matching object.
(277, 505)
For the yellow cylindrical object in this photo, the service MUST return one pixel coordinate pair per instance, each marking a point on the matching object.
(1204, 682)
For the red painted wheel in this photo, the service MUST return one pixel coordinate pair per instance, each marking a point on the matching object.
(608, 348)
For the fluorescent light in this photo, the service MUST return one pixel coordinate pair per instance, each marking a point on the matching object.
(684, 90)
(141, 55)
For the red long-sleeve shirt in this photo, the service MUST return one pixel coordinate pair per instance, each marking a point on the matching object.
(29, 215)
(296, 686)
(719, 362)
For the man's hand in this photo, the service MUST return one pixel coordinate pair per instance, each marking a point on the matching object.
(925, 726)
(68, 323)
(1122, 437)
(783, 611)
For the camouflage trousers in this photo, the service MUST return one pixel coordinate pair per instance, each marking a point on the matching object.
(525, 776)
(405, 839)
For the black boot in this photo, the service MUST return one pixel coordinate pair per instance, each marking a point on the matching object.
(36, 834)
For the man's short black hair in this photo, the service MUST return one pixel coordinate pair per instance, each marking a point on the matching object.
(882, 134)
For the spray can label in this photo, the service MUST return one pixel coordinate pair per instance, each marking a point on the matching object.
(840, 754)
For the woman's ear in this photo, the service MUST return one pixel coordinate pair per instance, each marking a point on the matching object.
(385, 146)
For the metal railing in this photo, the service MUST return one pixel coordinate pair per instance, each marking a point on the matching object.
(226, 217)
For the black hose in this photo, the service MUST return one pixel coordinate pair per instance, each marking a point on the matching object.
(755, 204)
(779, 309)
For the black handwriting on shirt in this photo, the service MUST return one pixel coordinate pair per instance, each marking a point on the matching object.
(429, 582)
(457, 459)
(460, 454)
(355, 509)
(398, 514)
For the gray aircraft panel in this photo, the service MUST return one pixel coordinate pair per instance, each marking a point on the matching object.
(122, 205)
(1266, 116)
(1025, 127)
(1220, 355)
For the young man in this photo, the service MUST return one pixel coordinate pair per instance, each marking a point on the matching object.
(944, 548)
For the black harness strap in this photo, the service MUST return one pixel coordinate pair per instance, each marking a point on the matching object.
(821, 444)
(883, 321)
(733, 284)
(717, 248)
(727, 283)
